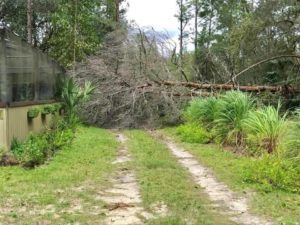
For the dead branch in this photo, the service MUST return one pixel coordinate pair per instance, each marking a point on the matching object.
(261, 62)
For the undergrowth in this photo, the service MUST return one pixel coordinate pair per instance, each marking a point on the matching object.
(193, 133)
(37, 148)
(262, 133)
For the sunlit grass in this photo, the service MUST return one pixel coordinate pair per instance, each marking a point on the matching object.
(162, 179)
(52, 191)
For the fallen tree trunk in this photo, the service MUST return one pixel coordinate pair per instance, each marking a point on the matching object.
(283, 89)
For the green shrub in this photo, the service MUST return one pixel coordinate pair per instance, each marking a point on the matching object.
(291, 142)
(36, 149)
(273, 172)
(60, 138)
(193, 133)
(50, 109)
(202, 111)
(33, 151)
(266, 127)
(33, 112)
(234, 108)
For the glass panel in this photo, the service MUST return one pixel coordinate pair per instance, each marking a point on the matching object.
(22, 84)
(46, 84)
(45, 78)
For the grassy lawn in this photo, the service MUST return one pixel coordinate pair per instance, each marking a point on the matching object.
(162, 179)
(228, 167)
(63, 191)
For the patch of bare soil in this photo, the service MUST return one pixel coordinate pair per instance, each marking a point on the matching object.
(123, 199)
(235, 206)
(8, 160)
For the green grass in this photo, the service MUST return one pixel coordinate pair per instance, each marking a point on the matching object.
(228, 167)
(162, 179)
(65, 189)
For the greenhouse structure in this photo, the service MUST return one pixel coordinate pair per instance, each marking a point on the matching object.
(28, 79)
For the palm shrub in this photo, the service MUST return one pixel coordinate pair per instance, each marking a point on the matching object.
(291, 149)
(72, 96)
(203, 111)
(266, 126)
(234, 108)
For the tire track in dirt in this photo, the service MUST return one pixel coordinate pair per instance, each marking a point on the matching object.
(123, 199)
(221, 195)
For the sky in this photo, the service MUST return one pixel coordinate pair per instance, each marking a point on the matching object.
(156, 13)
(159, 14)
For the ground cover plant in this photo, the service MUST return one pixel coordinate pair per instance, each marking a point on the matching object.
(37, 148)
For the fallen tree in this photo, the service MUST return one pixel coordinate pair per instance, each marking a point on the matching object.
(136, 86)
(212, 87)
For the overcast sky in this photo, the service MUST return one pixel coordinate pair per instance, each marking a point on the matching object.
(156, 13)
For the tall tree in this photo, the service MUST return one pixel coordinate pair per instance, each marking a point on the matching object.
(29, 21)
(184, 16)
(66, 29)
(117, 11)
(196, 4)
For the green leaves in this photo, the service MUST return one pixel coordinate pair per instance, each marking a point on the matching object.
(266, 126)
(33, 112)
(68, 30)
(234, 108)
(202, 111)
(73, 95)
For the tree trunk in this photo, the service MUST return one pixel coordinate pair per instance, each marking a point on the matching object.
(75, 35)
(117, 11)
(29, 21)
(181, 20)
(225, 87)
(196, 26)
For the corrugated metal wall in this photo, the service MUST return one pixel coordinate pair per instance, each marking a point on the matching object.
(3, 131)
(15, 124)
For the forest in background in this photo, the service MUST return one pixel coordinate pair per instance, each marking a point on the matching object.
(244, 42)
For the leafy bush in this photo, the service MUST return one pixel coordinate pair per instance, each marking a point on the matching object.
(291, 142)
(36, 149)
(273, 172)
(60, 138)
(33, 151)
(266, 126)
(203, 111)
(193, 133)
(50, 109)
(33, 113)
(234, 108)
